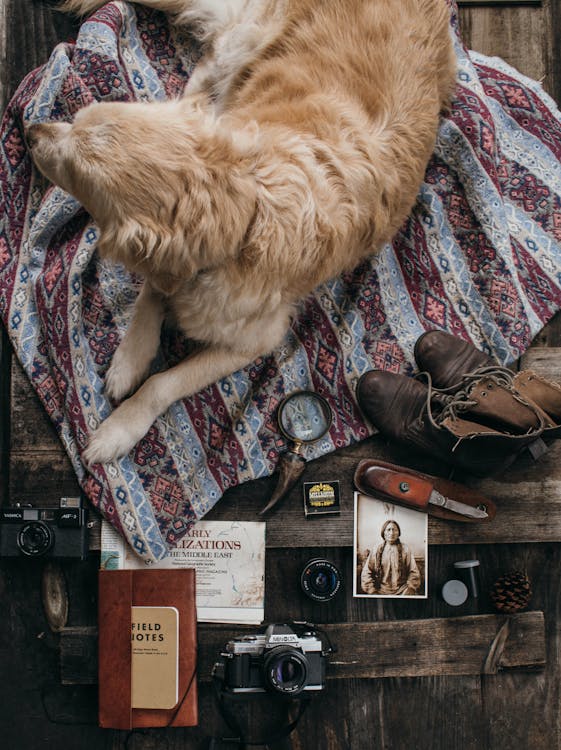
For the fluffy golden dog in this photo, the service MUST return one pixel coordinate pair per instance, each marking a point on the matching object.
(297, 150)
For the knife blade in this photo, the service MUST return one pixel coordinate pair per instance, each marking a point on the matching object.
(456, 506)
(412, 490)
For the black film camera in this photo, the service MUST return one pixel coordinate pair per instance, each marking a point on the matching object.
(45, 532)
(279, 660)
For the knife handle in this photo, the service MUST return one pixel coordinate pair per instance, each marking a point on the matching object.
(399, 486)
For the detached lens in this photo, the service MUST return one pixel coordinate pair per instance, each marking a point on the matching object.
(286, 670)
(320, 580)
(35, 539)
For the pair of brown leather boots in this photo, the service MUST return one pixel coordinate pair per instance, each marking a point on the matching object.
(464, 408)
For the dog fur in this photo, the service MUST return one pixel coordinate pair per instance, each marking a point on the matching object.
(297, 150)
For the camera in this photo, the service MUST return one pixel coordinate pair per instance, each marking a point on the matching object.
(320, 579)
(45, 532)
(280, 660)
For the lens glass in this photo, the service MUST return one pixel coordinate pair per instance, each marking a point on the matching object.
(35, 539)
(320, 580)
(305, 416)
(286, 670)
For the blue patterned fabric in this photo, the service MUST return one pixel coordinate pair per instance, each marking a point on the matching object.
(480, 257)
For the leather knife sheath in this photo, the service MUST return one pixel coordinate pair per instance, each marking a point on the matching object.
(366, 480)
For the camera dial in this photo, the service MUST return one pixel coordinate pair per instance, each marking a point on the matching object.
(285, 670)
(320, 580)
(35, 538)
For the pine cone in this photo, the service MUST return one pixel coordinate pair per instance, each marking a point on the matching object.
(511, 592)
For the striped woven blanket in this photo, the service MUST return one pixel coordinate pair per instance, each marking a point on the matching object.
(480, 257)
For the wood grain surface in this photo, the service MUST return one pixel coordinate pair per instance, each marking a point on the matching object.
(417, 648)
(445, 702)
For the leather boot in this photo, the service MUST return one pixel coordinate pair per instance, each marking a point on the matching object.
(415, 414)
(545, 394)
(454, 365)
(448, 358)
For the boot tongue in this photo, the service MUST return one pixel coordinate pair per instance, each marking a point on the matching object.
(542, 393)
(491, 401)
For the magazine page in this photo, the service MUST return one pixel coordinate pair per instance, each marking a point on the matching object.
(229, 559)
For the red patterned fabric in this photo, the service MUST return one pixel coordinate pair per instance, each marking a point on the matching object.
(480, 256)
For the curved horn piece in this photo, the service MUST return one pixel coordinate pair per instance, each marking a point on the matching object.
(291, 468)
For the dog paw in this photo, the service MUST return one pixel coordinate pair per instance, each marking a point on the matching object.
(108, 443)
(122, 377)
(120, 432)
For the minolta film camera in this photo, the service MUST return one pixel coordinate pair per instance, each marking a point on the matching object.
(279, 660)
(45, 532)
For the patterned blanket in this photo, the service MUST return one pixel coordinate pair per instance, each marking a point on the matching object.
(480, 256)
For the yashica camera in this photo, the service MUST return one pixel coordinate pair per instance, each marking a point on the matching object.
(279, 660)
(45, 532)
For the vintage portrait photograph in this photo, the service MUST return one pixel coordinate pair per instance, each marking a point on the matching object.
(390, 548)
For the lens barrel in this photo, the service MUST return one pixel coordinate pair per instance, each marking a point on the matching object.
(35, 539)
(320, 580)
(285, 670)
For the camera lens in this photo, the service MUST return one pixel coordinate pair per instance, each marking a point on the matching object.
(286, 670)
(320, 580)
(35, 539)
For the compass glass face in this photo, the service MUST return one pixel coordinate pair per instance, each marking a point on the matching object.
(304, 416)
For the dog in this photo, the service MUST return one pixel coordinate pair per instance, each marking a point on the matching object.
(296, 151)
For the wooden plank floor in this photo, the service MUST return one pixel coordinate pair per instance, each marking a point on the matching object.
(454, 705)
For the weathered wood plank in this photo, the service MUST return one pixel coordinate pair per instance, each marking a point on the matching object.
(460, 712)
(414, 648)
(545, 361)
(32, 31)
(553, 21)
(46, 475)
(517, 33)
(31, 428)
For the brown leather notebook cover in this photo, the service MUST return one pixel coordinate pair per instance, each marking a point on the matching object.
(119, 590)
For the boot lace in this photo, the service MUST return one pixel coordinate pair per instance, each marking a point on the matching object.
(457, 401)
(452, 404)
(500, 375)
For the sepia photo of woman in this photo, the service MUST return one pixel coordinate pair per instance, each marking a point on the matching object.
(390, 549)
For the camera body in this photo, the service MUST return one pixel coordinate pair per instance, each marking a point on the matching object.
(31, 532)
(280, 660)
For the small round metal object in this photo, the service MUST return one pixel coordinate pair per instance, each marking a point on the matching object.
(304, 416)
(320, 580)
(466, 564)
(468, 571)
(404, 486)
(454, 593)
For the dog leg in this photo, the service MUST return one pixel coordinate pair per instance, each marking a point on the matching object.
(139, 346)
(133, 418)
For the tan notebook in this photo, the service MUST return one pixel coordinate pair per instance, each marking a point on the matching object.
(154, 665)
(119, 592)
